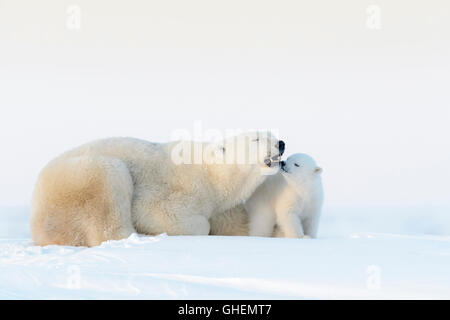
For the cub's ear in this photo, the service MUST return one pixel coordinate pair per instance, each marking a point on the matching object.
(318, 170)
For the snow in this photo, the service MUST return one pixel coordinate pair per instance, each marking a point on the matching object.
(375, 253)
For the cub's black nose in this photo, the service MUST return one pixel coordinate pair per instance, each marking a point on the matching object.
(281, 146)
(283, 164)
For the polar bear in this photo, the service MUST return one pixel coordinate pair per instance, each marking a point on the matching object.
(111, 188)
(232, 222)
(287, 204)
(291, 201)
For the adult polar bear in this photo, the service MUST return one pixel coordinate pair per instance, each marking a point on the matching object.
(110, 188)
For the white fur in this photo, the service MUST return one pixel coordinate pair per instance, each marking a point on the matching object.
(111, 188)
(290, 201)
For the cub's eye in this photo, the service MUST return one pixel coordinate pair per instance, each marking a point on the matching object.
(255, 140)
(296, 164)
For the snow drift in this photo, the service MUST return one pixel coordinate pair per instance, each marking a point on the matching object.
(354, 257)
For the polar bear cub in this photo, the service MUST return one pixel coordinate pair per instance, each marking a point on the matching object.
(111, 188)
(288, 204)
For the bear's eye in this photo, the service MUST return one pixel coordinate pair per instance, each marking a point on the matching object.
(255, 140)
(296, 164)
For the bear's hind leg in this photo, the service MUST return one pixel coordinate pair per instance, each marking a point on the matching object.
(262, 221)
(233, 222)
(82, 201)
(175, 215)
(195, 225)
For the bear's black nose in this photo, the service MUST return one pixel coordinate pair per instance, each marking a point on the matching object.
(281, 146)
(283, 164)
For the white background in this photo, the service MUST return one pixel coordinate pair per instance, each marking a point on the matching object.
(372, 106)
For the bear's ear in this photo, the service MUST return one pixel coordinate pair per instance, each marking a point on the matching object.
(318, 170)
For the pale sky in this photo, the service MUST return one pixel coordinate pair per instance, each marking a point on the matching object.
(371, 104)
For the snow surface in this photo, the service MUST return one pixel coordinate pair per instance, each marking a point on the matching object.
(361, 253)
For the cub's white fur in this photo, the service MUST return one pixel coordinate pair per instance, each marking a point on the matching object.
(111, 188)
(290, 200)
(285, 205)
